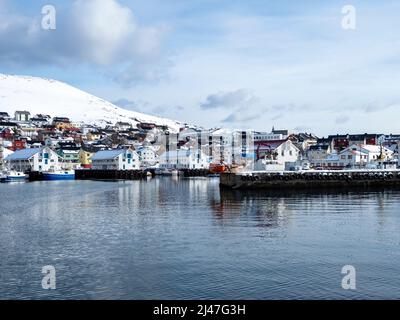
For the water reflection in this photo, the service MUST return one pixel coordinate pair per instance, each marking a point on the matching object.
(187, 239)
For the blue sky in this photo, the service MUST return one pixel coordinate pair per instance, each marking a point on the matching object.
(247, 64)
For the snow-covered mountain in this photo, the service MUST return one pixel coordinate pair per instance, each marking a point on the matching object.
(46, 96)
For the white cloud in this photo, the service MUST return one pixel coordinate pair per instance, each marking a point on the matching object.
(108, 32)
(102, 33)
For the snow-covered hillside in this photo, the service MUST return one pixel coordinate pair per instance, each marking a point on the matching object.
(45, 96)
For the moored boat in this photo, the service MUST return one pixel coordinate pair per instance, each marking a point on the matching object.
(13, 176)
(216, 168)
(59, 175)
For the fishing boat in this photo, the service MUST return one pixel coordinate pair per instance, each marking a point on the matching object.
(217, 168)
(59, 175)
(13, 176)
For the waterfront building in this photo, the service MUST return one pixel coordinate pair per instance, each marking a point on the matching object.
(354, 156)
(360, 155)
(69, 154)
(318, 152)
(148, 156)
(280, 150)
(184, 159)
(341, 142)
(120, 159)
(86, 153)
(34, 159)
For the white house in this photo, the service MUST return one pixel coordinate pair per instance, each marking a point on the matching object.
(354, 156)
(34, 159)
(184, 159)
(148, 156)
(120, 159)
(280, 150)
(360, 155)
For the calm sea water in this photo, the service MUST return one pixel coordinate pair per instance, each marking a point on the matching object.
(186, 239)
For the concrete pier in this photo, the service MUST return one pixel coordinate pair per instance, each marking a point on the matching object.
(89, 174)
(35, 176)
(195, 172)
(310, 179)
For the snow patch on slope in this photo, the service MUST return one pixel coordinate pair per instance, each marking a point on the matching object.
(55, 98)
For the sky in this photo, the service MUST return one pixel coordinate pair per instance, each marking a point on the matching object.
(249, 64)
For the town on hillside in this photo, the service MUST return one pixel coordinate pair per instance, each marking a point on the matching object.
(42, 143)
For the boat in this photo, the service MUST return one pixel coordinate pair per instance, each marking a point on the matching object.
(216, 168)
(13, 176)
(59, 175)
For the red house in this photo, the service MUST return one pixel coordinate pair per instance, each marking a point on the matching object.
(18, 145)
(7, 134)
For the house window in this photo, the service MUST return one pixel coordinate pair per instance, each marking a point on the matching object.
(349, 157)
(283, 153)
(343, 157)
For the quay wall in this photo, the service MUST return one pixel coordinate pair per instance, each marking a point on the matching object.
(304, 180)
(90, 174)
(195, 172)
(35, 176)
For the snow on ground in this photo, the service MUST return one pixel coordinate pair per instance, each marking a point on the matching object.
(46, 96)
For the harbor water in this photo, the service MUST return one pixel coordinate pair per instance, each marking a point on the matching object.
(170, 238)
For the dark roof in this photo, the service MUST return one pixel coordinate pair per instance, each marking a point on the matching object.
(283, 132)
(61, 119)
(39, 119)
(354, 136)
(8, 124)
(91, 148)
(338, 136)
(318, 147)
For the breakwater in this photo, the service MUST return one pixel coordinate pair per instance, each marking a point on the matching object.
(310, 179)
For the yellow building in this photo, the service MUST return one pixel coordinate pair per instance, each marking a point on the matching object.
(85, 158)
